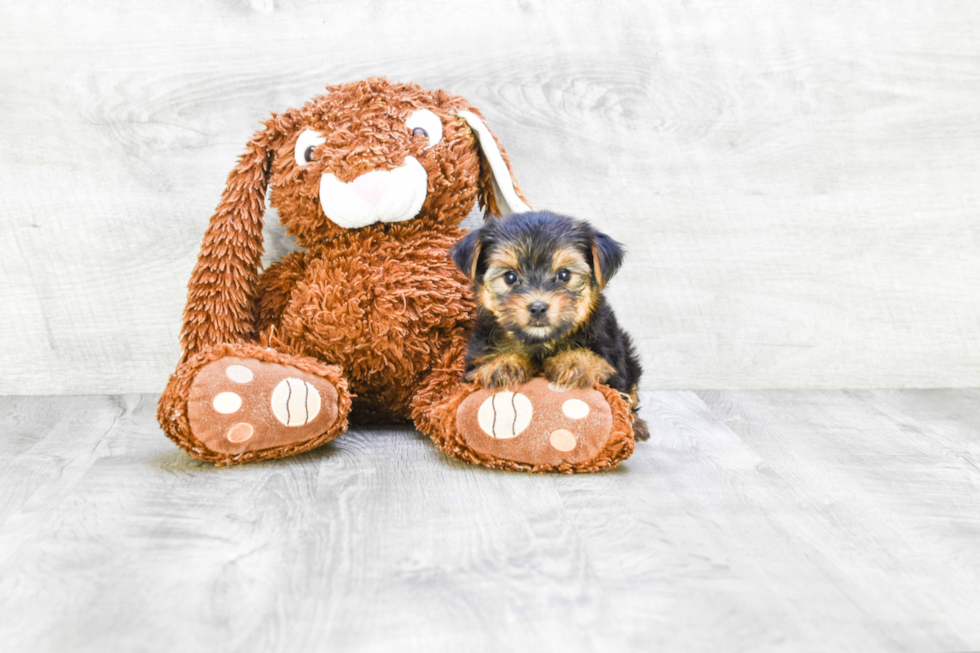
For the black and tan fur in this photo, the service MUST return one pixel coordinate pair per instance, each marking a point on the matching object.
(538, 280)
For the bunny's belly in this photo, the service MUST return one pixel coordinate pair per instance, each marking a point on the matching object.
(384, 317)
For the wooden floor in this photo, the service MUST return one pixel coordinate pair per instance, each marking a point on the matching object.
(752, 521)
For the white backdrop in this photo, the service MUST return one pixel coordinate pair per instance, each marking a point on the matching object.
(797, 181)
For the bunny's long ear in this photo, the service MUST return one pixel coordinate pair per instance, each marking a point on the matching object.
(499, 192)
(222, 291)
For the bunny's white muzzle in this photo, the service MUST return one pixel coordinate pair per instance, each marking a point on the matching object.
(377, 196)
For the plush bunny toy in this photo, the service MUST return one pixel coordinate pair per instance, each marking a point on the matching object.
(368, 321)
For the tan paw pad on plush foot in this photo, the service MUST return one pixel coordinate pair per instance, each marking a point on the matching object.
(536, 424)
(240, 404)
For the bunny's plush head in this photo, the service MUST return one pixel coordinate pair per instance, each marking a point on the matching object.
(372, 154)
(369, 159)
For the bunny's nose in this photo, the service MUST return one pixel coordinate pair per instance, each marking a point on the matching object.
(372, 186)
(537, 309)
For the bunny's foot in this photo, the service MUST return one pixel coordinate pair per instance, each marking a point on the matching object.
(239, 403)
(537, 427)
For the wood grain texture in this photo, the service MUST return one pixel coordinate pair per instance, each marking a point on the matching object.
(796, 181)
(751, 521)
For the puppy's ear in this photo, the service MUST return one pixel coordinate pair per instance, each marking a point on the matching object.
(607, 257)
(466, 253)
(223, 288)
(498, 193)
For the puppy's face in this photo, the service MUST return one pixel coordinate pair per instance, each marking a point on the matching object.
(538, 294)
(539, 273)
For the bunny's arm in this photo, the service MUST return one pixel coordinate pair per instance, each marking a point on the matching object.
(276, 284)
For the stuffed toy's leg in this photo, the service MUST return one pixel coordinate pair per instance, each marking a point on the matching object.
(534, 428)
(236, 403)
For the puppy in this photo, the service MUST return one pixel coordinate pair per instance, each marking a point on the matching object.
(538, 280)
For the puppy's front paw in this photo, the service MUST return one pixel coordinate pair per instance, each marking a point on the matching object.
(503, 371)
(577, 368)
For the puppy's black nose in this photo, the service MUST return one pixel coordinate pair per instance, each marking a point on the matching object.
(537, 309)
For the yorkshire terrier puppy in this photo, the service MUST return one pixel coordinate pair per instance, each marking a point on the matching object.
(538, 280)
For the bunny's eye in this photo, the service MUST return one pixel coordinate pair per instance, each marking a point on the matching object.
(305, 145)
(425, 123)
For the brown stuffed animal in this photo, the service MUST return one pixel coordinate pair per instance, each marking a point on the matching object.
(370, 320)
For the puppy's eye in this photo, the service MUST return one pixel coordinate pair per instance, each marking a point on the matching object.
(425, 123)
(305, 144)
(510, 277)
(564, 276)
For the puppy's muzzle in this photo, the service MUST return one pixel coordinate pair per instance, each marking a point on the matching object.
(539, 312)
(392, 195)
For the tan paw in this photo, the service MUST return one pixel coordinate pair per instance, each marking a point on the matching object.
(241, 404)
(536, 424)
(504, 371)
(577, 368)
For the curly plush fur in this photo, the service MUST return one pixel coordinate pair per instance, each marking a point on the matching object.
(378, 311)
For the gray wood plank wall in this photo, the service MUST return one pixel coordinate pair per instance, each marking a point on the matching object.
(797, 181)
